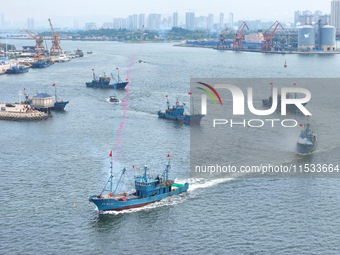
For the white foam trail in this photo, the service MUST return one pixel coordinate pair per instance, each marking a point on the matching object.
(201, 183)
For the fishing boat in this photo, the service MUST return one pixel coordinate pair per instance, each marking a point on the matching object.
(307, 140)
(114, 99)
(16, 69)
(40, 64)
(104, 82)
(289, 107)
(59, 105)
(53, 104)
(176, 113)
(147, 190)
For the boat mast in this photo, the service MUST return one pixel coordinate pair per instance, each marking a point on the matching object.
(120, 178)
(167, 101)
(94, 75)
(191, 103)
(167, 169)
(55, 91)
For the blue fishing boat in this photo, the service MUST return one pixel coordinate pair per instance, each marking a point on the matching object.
(40, 64)
(147, 190)
(307, 140)
(59, 105)
(56, 104)
(176, 113)
(104, 82)
(16, 69)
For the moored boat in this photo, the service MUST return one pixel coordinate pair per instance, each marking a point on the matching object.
(147, 190)
(307, 140)
(59, 104)
(16, 69)
(40, 64)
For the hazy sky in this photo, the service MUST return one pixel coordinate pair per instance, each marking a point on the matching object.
(63, 11)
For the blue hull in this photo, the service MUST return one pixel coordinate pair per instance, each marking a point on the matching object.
(188, 119)
(60, 106)
(16, 70)
(120, 85)
(113, 204)
(40, 64)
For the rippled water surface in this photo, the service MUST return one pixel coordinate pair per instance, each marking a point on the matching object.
(48, 168)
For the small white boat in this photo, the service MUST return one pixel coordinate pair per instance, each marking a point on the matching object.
(113, 99)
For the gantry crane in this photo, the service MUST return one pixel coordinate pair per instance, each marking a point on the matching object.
(39, 46)
(55, 49)
(238, 36)
(268, 35)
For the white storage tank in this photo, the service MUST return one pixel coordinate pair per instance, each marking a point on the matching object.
(306, 38)
(327, 38)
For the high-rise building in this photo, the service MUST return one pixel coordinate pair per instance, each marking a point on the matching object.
(297, 14)
(231, 20)
(210, 22)
(141, 21)
(175, 19)
(190, 20)
(119, 23)
(221, 25)
(129, 22)
(335, 14)
(134, 22)
(154, 21)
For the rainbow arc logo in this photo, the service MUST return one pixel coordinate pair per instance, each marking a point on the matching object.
(209, 92)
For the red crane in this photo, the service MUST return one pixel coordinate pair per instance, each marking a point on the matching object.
(268, 35)
(238, 36)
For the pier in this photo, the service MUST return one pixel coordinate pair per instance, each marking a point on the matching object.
(20, 112)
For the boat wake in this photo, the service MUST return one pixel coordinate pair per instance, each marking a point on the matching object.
(201, 183)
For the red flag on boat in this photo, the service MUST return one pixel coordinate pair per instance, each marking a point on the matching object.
(168, 156)
(116, 68)
(166, 96)
(53, 84)
(133, 166)
(301, 125)
(126, 79)
(110, 153)
(189, 93)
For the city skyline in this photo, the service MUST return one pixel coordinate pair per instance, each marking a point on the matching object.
(67, 12)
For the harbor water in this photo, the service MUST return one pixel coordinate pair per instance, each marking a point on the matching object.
(49, 168)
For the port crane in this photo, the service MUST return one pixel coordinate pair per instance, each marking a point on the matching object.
(238, 36)
(55, 49)
(222, 37)
(268, 35)
(39, 46)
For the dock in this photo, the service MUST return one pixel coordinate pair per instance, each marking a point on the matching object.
(20, 112)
